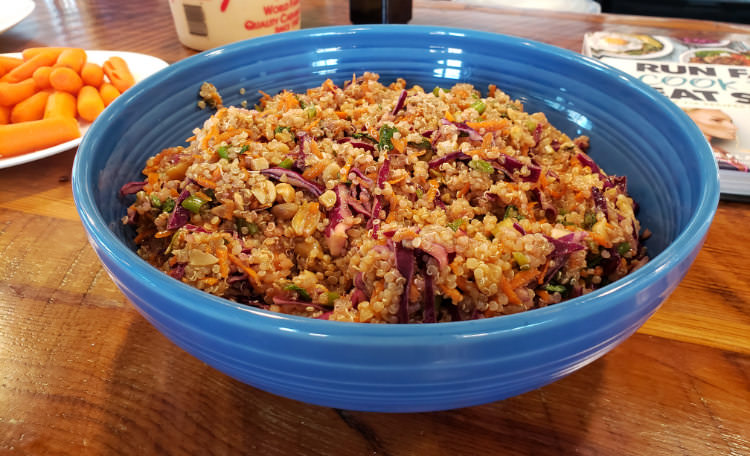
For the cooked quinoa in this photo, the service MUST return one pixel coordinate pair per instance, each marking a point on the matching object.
(380, 203)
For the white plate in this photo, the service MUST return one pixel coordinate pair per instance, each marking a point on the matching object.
(687, 55)
(141, 65)
(667, 48)
(13, 12)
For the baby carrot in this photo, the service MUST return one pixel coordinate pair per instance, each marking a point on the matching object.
(29, 53)
(20, 138)
(65, 79)
(8, 63)
(31, 108)
(12, 93)
(4, 115)
(118, 73)
(60, 104)
(41, 77)
(90, 103)
(108, 93)
(92, 74)
(27, 68)
(72, 58)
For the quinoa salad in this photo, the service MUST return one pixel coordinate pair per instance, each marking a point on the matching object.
(384, 203)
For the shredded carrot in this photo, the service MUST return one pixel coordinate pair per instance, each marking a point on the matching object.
(433, 191)
(489, 125)
(140, 237)
(344, 172)
(509, 291)
(461, 193)
(314, 149)
(492, 88)
(454, 267)
(312, 125)
(210, 281)
(190, 139)
(163, 234)
(203, 182)
(246, 269)
(222, 255)
(523, 277)
(601, 240)
(172, 260)
(397, 180)
(315, 170)
(341, 114)
(453, 294)
(543, 273)
(449, 116)
(264, 98)
(202, 196)
(399, 145)
(328, 84)
(544, 296)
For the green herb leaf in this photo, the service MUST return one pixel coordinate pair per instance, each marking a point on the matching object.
(481, 165)
(511, 212)
(552, 288)
(168, 205)
(286, 163)
(300, 291)
(386, 134)
(456, 224)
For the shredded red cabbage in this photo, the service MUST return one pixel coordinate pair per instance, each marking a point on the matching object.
(453, 156)
(131, 188)
(179, 215)
(405, 265)
(399, 103)
(462, 127)
(293, 178)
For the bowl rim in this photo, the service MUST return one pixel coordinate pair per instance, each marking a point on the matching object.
(107, 244)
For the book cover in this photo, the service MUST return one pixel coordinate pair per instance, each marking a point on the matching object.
(708, 77)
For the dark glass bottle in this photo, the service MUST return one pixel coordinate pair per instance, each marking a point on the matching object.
(380, 11)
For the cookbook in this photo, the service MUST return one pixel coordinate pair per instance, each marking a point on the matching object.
(707, 76)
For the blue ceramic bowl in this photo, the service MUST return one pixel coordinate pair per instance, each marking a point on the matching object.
(634, 132)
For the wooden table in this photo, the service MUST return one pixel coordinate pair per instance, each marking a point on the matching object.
(81, 372)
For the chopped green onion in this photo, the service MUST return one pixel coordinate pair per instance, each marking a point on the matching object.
(223, 152)
(436, 91)
(155, 201)
(424, 144)
(522, 260)
(481, 165)
(456, 224)
(286, 163)
(301, 103)
(511, 212)
(244, 149)
(365, 136)
(623, 248)
(245, 227)
(193, 203)
(552, 288)
(419, 192)
(279, 129)
(311, 112)
(168, 205)
(332, 297)
(589, 219)
(386, 134)
(479, 106)
(531, 125)
(299, 290)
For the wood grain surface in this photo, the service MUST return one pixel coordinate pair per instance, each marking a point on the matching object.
(81, 372)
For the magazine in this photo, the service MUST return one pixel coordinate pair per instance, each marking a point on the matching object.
(708, 77)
